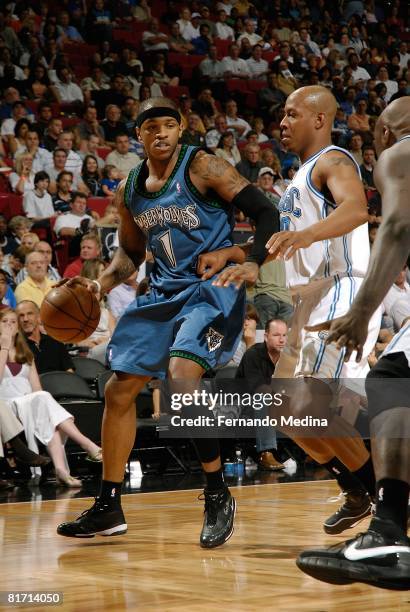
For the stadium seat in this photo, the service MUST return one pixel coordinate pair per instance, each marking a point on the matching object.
(98, 204)
(256, 84)
(237, 85)
(103, 152)
(89, 369)
(226, 372)
(102, 380)
(66, 386)
(222, 47)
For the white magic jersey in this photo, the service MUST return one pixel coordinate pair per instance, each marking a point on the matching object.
(303, 205)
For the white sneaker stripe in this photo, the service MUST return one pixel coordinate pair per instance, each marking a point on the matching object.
(356, 554)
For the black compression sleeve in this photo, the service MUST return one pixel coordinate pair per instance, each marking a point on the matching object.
(251, 201)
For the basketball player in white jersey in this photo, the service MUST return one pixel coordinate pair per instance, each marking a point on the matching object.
(381, 556)
(324, 241)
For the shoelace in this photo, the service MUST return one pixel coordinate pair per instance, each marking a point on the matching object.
(97, 505)
(211, 504)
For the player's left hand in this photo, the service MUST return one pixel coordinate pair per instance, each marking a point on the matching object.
(349, 331)
(210, 264)
(238, 274)
(283, 245)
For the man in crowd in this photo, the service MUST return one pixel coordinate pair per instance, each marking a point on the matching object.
(257, 367)
(44, 249)
(121, 157)
(51, 134)
(90, 248)
(68, 223)
(249, 167)
(49, 354)
(36, 285)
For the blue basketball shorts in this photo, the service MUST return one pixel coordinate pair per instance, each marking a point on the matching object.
(202, 323)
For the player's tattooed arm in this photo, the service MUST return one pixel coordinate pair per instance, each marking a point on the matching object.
(132, 247)
(211, 172)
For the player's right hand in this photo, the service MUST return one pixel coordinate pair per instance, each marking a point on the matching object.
(349, 332)
(210, 264)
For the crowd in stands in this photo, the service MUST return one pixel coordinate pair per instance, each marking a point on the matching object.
(73, 74)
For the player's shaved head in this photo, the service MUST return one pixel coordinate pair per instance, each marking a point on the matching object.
(396, 116)
(307, 124)
(393, 123)
(317, 99)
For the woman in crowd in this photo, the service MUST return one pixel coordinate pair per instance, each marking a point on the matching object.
(22, 179)
(90, 175)
(227, 149)
(43, 419)
(38, 85)
(16, 142)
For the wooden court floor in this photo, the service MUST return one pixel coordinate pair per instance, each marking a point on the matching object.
(159, 565)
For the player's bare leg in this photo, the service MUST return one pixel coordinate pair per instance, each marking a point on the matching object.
(219, 504)
(119, 423)
(106, 517)
(339, 449)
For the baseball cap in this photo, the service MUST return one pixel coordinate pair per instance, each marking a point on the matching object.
(195, 15)
(265, 170)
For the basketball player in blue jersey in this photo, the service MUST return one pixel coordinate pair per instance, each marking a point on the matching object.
(381, 555)
(324, 241)
(179, 203)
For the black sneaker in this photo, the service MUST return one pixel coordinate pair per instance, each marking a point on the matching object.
(219, 515)
(101, 519)
(356, 507)
(370, 557)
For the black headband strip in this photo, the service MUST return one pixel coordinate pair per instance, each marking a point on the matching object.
(157, 111)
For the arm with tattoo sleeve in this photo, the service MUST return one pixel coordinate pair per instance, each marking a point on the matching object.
(132, 247)
(210, 172)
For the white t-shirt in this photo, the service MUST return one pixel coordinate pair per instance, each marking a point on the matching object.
(119, 298)
(235, 67)
(70, 220)
(239, 121)
(38, 206)
(160, 46)
(53, 174)
(254, 38)
(125, 162)
(28, 183)
(394, 294)
(360, 74)
(224, 31)
(69, 92)
(257, 68)
(187, 30)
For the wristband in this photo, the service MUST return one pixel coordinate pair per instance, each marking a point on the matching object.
(98, 285)
(3, 348)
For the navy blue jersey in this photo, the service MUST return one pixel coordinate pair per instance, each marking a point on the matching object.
(179, 222)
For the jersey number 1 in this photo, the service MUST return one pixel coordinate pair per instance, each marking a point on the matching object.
(165, 240)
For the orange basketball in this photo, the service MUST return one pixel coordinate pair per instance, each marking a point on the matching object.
(70, 314)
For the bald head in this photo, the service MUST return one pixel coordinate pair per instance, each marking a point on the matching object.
(317, 99)
(393, 123)
(396, 116)
(307, 125)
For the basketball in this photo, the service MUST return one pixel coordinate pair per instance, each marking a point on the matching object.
(70, 314)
